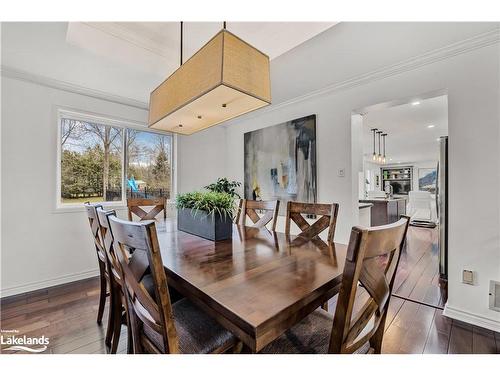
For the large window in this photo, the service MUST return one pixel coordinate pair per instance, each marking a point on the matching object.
(105, 161)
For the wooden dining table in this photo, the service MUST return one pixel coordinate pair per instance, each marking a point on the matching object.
(256, 285)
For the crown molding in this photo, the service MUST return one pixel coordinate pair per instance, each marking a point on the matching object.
(10, 72)
(479, 41)
(466, 45)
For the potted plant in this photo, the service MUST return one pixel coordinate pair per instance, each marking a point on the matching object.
(207, 214)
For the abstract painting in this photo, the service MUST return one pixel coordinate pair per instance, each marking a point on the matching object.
(280, 162)
(427, 179)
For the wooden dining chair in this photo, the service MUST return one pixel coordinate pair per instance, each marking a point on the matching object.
(252, 209)
(372, 260)
(101, 256)
(117, 315)
(135, 206)
(328, 219)
(157, 324)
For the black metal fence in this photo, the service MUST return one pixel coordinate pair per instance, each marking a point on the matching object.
(148, 193)
(116, 194)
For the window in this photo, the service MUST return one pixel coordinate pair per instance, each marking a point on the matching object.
(92, 159)
(149, 164)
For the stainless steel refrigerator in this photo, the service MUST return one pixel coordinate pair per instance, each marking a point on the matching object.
(442, 206)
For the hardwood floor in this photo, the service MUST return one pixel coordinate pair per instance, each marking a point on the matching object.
(418, 272)
(67, 314)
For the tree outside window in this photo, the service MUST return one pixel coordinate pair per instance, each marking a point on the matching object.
(149, 164)
(91, 162)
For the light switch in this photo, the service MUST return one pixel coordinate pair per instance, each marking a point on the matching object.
(341, 172)
(468, 277)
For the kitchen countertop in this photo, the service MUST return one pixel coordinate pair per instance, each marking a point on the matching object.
(382, 199)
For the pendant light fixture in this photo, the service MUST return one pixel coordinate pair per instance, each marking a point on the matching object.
(374, 155)
(226, 78)
(379, 156)
(384, 135)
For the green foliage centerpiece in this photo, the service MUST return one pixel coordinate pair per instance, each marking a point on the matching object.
(208, 214)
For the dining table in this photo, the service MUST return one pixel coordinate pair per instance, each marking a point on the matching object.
(257, 284)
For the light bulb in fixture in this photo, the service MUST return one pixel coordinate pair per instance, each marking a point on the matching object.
(415, 103)
(431, 126)
(379, 156)
(374, 155)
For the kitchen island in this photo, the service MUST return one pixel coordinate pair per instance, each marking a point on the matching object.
(386, 210)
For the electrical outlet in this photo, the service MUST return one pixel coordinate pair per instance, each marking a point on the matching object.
(494, 295)
(468, 277)
(341, 172)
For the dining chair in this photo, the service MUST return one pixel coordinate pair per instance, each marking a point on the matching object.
(252, 209)
(328, 219)
(372, 260)
(295, 212)
(157, 324)
(135, 206)
(101, 256)
(117, 313)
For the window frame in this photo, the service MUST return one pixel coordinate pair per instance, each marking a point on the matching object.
(123, 125)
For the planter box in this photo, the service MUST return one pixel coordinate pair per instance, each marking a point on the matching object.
(211, 227)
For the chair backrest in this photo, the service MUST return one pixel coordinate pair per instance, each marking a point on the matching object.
(252, 209)
(135, 206)
(372, 260)
(95, 229)
(107, 239)
(136, 248)
(328, 219)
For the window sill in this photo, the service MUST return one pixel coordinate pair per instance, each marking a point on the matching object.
(119, 206)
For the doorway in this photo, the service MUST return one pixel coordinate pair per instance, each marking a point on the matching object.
(398, 154)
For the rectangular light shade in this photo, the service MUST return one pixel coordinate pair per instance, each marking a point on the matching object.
(226, 78)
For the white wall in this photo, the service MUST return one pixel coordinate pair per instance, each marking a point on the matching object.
(41, 246)
(201, 159)
(468, 70)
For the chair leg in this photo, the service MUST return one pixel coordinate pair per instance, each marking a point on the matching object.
(130, 343)
(325, 306)
(111, 317)
(376, 339)
(238, 347)
(117, 323)
(102, 296)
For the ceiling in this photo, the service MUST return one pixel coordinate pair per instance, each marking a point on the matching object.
(155, 46)
(410, 139)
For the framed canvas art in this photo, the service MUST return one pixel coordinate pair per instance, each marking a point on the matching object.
(280, 162)
(427, 178)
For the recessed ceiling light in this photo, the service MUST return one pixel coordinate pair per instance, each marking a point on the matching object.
(437, 139)
(415, 103)
(431, 126)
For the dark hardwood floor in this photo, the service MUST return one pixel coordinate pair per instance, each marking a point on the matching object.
(418, 272)
(66, 314)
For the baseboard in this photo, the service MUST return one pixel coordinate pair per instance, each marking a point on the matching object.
(474, 319)
(30, 287)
